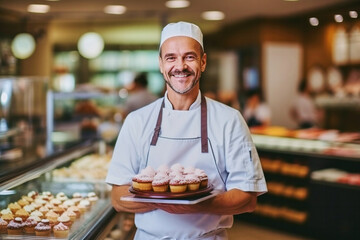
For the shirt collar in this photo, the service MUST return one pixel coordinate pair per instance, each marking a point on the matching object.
(195, 104)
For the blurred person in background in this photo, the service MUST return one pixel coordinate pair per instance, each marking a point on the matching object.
(187, 128)
(139, 95)
(256, 111)
(304, 110)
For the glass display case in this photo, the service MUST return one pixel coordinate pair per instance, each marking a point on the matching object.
(35, 177)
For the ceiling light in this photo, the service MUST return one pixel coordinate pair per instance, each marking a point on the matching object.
(38, 8)
(90, 45)
(213, 15)
(353, 14)
(338, 18)
(314, 21)
(23, 45)
(115, 9)
(177, 4)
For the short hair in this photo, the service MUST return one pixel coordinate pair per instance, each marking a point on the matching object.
(141, 79)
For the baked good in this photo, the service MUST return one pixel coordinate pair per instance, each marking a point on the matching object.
(43, 228)
(86, 203)
(27, 198)
(163, 169)
(178, 184)
(32, 194)
(92, 197)
(29, 208)
(29, 225)
(22, 214)
(37, 213)
(189, 170)
(44, 210)
(148, 171)
(14, 207)
(142, 182)
(22, 202)
(203, 177)
(65, 219)
(160, 182)
(82, 208)
(3, 225)
(59, 210)
(177, 168)
(15, 227)
(71, 215)
(193, 182)
(61, 230)
(8, 217)
(52, 217)
(74, 209)
(5, 211)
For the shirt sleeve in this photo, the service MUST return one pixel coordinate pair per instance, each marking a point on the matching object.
(124, 165)
(242, 160)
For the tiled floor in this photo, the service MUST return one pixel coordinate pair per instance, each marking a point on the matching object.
(246, 231)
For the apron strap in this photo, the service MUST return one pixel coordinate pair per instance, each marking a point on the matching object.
(158, 125)
(204, 135)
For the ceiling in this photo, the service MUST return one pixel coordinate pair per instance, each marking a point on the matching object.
(155, 10)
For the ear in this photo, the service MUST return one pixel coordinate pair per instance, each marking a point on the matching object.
(160, 64)
(203, 62)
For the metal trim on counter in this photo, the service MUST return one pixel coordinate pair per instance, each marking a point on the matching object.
(25, 173)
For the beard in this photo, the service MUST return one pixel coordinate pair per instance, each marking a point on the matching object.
(184, 72)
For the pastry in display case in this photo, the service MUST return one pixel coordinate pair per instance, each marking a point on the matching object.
(40, 203)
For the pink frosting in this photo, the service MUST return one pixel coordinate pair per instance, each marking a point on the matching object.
(149, 171)
(201, 173)
(3, 222)
(189, 170)
(178, 180)
(61, 227)
(160, 179)
(44, 225)
(15, 224)
(177, 167)
(163, 169)
(30, 222)
(143, 178)
(192, 178)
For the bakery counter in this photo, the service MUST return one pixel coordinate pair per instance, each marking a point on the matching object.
(37, 160)
(302, 176)
(65, 190)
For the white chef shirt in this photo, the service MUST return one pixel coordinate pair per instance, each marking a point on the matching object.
(230, 139)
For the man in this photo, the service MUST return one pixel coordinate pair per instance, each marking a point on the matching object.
(139, 95)
(191, 130)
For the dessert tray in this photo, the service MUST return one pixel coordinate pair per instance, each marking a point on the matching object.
(188, 197)
(170, 195)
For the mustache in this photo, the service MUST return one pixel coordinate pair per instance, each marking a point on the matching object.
(183, 72)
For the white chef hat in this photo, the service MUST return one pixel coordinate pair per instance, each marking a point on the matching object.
(182, 29)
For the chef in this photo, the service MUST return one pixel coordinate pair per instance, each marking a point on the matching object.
(187, 128)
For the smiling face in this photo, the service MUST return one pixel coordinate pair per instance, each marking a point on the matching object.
(181, 62)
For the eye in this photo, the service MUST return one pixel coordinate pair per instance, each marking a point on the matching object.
(190, 57)
(170, 58)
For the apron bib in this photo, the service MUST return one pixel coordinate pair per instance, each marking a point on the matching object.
(181, 137)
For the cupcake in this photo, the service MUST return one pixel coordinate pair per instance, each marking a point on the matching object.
(15, 227)
(14, 207)
(189, 170)
(61, 230)
(193, 182)
(59, 210)
(43, 228)
(92, 197)
(5, 211)
(37, 213)
(27, 198)
(32, 194)
(163, 169)
(52, 217)
(74, 209)
(29, 225)
(3, 225)
(65, 219)
(148, 171)
(86, 203)
(22, 202)
(178, 184)
(29, 208)
(177, 168)
(71, 215)
(142, 182)
(203, 177)
(22, 214)
(160, 182)
(44, 210)
(8, 217)
(68, 203)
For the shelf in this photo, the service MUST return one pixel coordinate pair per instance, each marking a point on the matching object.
(18, 174)
(336, 185)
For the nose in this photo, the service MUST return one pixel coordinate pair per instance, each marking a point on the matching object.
(181, 64)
